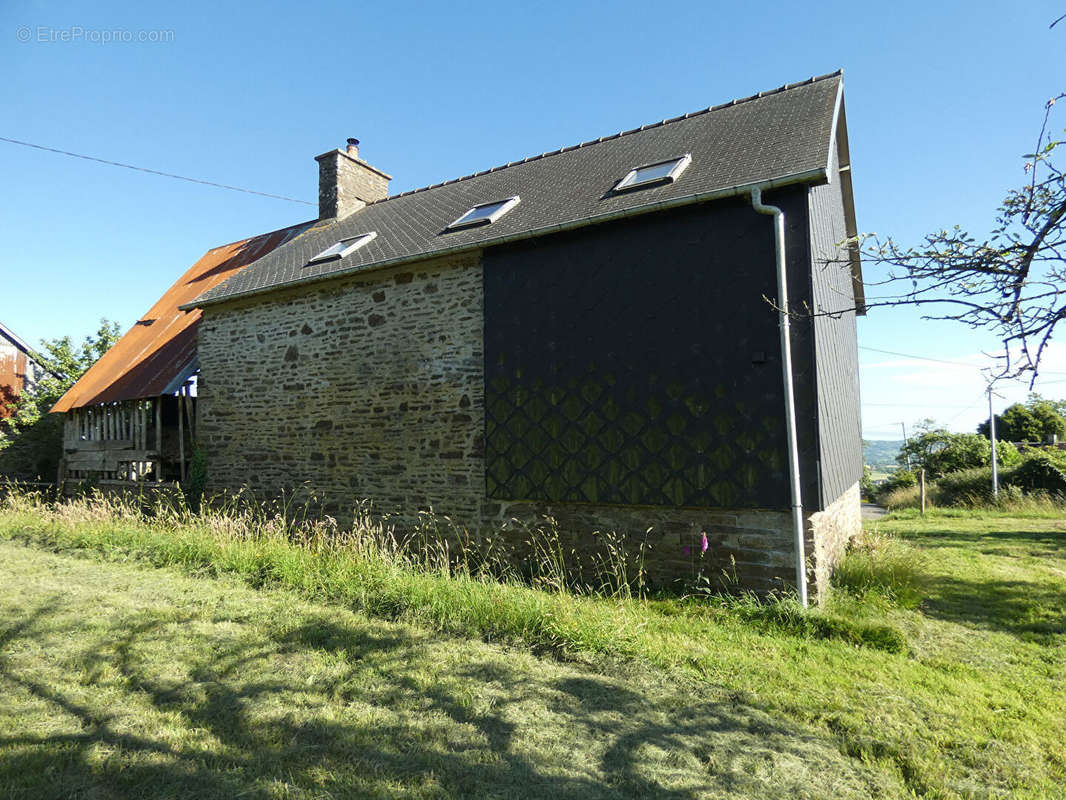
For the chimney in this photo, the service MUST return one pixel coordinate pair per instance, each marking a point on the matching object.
(346, 183)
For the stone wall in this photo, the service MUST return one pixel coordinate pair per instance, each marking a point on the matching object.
(368, 387)
(830, 532)
(371, 387)
(746, 549)
(346, 183)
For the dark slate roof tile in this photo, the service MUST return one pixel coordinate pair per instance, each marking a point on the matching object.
(774, 135)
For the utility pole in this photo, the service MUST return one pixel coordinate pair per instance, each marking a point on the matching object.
(992, 436)
(904, 426)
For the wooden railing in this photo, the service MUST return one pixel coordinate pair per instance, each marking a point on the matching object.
(113, 441)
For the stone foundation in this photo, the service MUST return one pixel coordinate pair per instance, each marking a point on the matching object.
(746, 549)
(829, 533)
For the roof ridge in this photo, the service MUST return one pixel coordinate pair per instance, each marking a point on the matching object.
(735, 102)
(18, 341)
(258, 236)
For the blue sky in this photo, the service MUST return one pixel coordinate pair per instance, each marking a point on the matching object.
(942, 100)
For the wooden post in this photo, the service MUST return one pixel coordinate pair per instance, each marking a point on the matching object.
(188, 413)
(181, 433)
(921, 483)
(992, 434)
(159, 439)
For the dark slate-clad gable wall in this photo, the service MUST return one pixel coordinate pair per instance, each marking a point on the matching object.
(637, 362)
(839, 419)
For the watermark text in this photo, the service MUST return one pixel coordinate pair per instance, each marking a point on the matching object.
(47, 34)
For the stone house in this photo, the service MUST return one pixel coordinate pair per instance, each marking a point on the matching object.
(594, 333)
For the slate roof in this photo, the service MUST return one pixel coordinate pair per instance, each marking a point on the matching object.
(784, 136)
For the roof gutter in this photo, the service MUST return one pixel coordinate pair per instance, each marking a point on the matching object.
(817, 175)
(790, 397)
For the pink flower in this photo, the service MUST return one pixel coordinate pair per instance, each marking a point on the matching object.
(686, 550)
(703, 542)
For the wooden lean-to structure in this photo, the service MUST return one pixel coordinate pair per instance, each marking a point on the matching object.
(132, 416)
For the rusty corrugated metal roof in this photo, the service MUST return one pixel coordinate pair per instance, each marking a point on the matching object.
(152, 354)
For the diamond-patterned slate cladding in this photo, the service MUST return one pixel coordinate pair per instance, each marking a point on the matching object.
(637, 363)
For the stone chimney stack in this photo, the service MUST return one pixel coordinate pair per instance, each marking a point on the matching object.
(346, 183)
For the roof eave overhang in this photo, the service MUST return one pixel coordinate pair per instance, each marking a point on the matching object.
(180, 378)
(812, 176)
(839, 143)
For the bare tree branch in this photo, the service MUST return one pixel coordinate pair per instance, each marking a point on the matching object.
(1012, 283)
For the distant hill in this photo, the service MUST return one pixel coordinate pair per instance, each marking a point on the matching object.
(881, 453)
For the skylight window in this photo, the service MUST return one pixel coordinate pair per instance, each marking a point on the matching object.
(485, 213)
(343, 248)
(659, 173)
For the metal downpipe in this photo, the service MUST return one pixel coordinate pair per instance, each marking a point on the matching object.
(790, 397)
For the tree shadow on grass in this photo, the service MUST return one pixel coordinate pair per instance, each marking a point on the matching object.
(1032, 610)
(323, 709)
(1050, 544)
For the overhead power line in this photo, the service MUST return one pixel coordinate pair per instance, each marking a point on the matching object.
(153, 171)
(914, 405)
(919, 358)
(941, 360)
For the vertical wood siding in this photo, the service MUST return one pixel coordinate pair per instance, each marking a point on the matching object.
(835, 336)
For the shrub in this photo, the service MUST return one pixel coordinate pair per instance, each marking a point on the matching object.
(900, 479)
(900, 497)
(1037, 473)
(939, 452)
(966, 487)
(1052, 454)
(1038, 481)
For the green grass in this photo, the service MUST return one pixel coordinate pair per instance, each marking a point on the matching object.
(883, 571)
(694, 697)
(124, 682)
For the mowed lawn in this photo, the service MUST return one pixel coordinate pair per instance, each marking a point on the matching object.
(122, 680)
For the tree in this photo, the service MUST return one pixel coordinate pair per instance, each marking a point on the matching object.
(938, 451)
(1034, 421)
(30, 440)
(1012, 282)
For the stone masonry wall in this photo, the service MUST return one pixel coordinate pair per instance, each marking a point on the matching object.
(363, 388)
(746, 549)
(371, 387)
(831, 531)
(347, 183)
